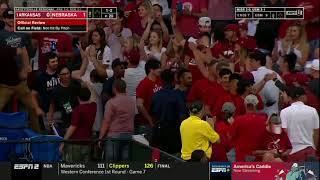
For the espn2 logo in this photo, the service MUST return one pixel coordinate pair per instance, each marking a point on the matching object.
(26, 166)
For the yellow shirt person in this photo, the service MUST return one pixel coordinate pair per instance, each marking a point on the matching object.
(196, 134)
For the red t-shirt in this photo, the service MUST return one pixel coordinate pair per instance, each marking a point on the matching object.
(145, 90)
(223, 48)
(312, 100)
(219, 150)
(63, 44)
(291, 78)
(311, 11)
(133, 22)
(271, 141)
(212, 94)
(227, 97)
(83, 117)
(246, 132)
(188, 25)
(248, 42)
(198, 90)
(196, 73)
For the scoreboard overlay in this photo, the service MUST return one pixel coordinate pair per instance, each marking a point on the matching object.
(59, 19)
(269, 13)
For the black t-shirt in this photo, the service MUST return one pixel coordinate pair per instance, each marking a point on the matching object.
(44, 85)
(2, 24)
(65, 100)
(12, 39)
(9, 70)
(107, 86)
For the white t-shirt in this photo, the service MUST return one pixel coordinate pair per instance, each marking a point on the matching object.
(156, 55)
(106, 59)
(115, 44)
(163, 4)
(270, 91)
(132, 77)
(252, 27)
(300, 121)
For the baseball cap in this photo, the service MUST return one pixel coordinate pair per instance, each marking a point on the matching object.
(274, 119)
(117, 62)
(251, 99)
(228, 107)
(294, 165)
(311, 173)
(248, 77)
(133, 56)
(231, 27)
(315, 64)
(8, 13)
(204, 21)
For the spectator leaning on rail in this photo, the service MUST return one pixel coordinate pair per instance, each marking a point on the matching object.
(82, 119)
(197, 134)
(118, 124)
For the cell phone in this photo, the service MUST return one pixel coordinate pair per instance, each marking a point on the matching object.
(280, 85)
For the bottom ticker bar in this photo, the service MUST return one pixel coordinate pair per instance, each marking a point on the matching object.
(114, 171)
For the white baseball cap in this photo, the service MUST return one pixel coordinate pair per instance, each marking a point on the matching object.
(315, 64)
(251, 99)
(204, 21)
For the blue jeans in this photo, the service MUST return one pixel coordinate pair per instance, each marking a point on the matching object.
(117, 148)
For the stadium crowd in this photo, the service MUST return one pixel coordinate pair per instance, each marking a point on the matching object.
(184, 73)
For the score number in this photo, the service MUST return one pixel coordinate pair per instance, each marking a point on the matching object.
(148, 165)
(101, 166)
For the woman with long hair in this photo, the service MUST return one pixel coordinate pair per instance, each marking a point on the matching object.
(98, 55)
(139, 23)
(173, 57)
(299, 44)
(154, 48)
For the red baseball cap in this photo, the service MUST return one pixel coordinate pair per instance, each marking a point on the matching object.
(133, 56)
(231, 27)
(130, 7)
(248, 76)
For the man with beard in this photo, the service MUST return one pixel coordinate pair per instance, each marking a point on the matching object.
(45, 82)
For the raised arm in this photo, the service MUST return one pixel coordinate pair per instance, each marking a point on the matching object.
(165, 31)
(77, 74)
(146, 32)
(199, 60)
